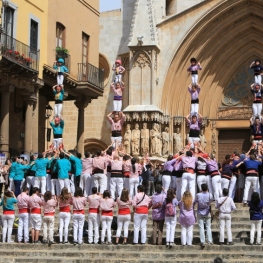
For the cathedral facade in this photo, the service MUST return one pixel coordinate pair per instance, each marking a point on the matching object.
(155, 40)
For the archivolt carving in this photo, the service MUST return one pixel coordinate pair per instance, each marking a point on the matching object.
(142, 61)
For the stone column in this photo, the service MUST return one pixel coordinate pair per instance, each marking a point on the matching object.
(81, 105)
(35, 122)
(5, 98)
(31, 101)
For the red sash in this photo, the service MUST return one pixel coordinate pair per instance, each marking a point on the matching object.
(9, 212)
(106, 213)
(79, 212)
(36, 211)
(141, 210)
(24, 211)
(94, 210)
(64, 209)
(49, 214)
(124, 211)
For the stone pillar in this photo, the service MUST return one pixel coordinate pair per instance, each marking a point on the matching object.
(5, 98)
(31, 101)
(35, 122)
(81, 105)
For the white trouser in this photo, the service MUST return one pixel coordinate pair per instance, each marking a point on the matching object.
(58, 109)
(188, 179)
(232, 187)
(225, 221)
(116, 186)
(106, 225)
(60, 79)
(30, 181)
(255, 226)
(126, 183)
(194, 109)
(170, 228)
(57, 142)
(133, 184)
(118, 78)
(166, 181)
(72, 184)
(192, 141)
(257, 108)
(194, 78)
(117, 105)
(224, 183)
(48, 226)
(187, 235)
(64, 220)
(78, 224)
(40, 182)
(8, 221)
(36, 221)
(23, 227)
(48, 184)
(64, 183)
(86, 184)
(116, 141)
(201, 179)
(216, 183)
(209, 183)
(100, 181)
(55, 189)
(179, 187)
(140, 223)
(94, 223)
(173, 182)
(251, 181)
(123, 221)
(258, 79)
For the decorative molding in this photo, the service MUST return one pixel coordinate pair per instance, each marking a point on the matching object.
(153, 116)
(235, 113)
(204, 122)
(213, 138)
(178, 120)
(142, 61)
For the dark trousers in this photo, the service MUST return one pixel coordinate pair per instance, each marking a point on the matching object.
(76, 180)
(158, 226)
(145, 183)
(17, 187)
(151, 188)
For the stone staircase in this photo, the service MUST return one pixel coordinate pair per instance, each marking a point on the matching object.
(67, 253)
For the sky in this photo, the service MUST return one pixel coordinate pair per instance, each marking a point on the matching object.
(106, 5)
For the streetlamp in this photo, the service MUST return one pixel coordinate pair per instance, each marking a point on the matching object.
(49, 110)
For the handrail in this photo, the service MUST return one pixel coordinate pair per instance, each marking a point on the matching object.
(18, 52)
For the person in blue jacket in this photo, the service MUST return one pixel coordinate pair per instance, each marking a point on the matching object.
(61, 69)
(256, 216)
(77, 167)
(63, 167)
(58, 91)
(58, 129)
(41, 164)
(12, 173)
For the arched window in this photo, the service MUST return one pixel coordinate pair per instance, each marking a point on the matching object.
(60, 35)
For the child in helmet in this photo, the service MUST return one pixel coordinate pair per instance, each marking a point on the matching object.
(61, 69)
(58, 91)
(257, 71)
(119, 69)
(194, 67)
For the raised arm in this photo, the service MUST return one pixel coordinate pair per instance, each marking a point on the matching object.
(199, 65)
(187, 117)
(252, 64)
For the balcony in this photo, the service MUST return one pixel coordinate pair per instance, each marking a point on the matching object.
(91, 74)
(19, 53)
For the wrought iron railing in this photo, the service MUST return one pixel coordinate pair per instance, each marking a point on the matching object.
(65, 56)
(19, 52)
(91, 74)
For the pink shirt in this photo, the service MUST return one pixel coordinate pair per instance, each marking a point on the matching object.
(107, 204)
(94, 201)
(116, 126)
(50, 206)
(117, 92)
(79, 203)
(126, 166)
(122, 205)
(35, 201)
(64, 204)
(189, 162)
(137, 170)
(138, 197)
(22, 201)
(116, 165)
(99, 163)
(87, 166)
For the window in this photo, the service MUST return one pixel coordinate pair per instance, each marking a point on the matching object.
(34, 35)
(60, 35)
(85, 41)
(9, 21)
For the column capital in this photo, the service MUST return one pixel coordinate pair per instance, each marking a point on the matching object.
(30, 99)
(80, 104)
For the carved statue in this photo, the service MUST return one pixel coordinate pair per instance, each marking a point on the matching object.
(166, 141)
(154, 134)
(178, 144)
(159, 140)
(135, 142)
(202, 139)
(145, 136)
(127, 139)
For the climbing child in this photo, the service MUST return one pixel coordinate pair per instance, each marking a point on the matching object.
(194, 90)
(58, 91)
(117, 101)
(194, 67)
(119, 69)
(61, 69)
(257, 70)
(257, 90)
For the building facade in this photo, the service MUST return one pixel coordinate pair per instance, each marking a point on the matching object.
(155, 40)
